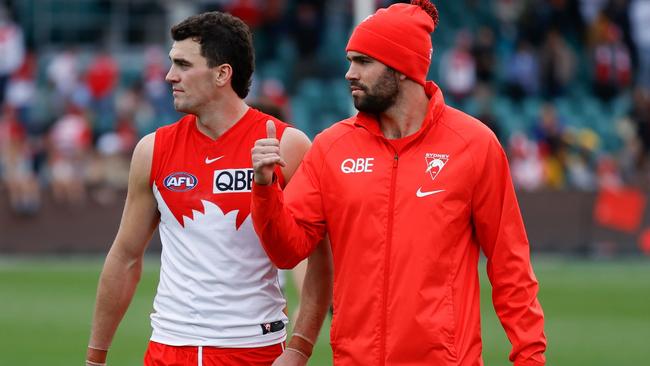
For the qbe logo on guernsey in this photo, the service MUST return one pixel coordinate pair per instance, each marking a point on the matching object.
(232, 181)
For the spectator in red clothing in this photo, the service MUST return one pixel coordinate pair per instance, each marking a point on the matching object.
(612, 65)
(102, 75)
(250, 11)
(101, 79)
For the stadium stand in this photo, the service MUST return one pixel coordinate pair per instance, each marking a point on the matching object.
(582, 61)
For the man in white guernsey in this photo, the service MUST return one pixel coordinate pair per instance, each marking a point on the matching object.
(218, 300)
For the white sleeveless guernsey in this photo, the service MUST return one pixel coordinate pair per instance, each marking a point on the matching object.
(217, 286)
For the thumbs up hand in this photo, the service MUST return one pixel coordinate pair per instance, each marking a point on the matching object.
(265, 154)
(270, 129)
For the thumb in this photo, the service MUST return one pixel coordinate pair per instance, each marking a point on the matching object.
(270, 129)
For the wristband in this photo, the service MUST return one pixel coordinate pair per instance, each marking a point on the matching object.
(301, 344)
(290, 349)
(90, 363)
(300, 335)
(98, 349)
(96, 356)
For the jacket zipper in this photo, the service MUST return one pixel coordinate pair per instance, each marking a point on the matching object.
(389, 242)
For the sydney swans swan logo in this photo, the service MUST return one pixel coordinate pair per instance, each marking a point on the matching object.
(435, 163)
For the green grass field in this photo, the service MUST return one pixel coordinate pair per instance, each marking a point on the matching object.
(597, 313)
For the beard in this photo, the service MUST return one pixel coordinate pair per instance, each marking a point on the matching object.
(378, 97)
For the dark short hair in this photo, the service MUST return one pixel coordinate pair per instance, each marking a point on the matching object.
(224, 39)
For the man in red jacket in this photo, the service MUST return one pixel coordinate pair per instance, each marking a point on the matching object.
(409, 191)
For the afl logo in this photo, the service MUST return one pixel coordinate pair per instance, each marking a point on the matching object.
(180, 182)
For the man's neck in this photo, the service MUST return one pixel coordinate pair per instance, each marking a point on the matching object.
(406, 116)
(214, 120)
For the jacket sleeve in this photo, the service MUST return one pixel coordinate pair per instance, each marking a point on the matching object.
(500, 231)
(290, 223)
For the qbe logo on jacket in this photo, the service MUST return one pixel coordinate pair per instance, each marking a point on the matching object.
(232, 181)
(358, 165)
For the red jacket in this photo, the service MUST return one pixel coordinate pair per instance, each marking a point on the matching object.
(406, 219)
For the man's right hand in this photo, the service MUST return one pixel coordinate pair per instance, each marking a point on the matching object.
(265, 154)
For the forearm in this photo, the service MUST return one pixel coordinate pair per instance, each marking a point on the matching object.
(285, 241)
(117, 285)
(315, 299)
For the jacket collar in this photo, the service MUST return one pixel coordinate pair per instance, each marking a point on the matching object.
(434, 111)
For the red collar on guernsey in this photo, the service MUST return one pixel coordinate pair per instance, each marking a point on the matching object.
(434, 111)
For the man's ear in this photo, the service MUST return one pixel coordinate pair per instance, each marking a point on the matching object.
(222, 74)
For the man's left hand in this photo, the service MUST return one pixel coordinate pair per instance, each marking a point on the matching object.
(290, 358)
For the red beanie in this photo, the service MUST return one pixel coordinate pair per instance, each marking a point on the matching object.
(400, 37)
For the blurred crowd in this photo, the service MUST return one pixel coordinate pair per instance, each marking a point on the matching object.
(529, 69)
(584, 67)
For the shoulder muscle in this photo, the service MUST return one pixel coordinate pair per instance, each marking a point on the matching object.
(293, 146)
